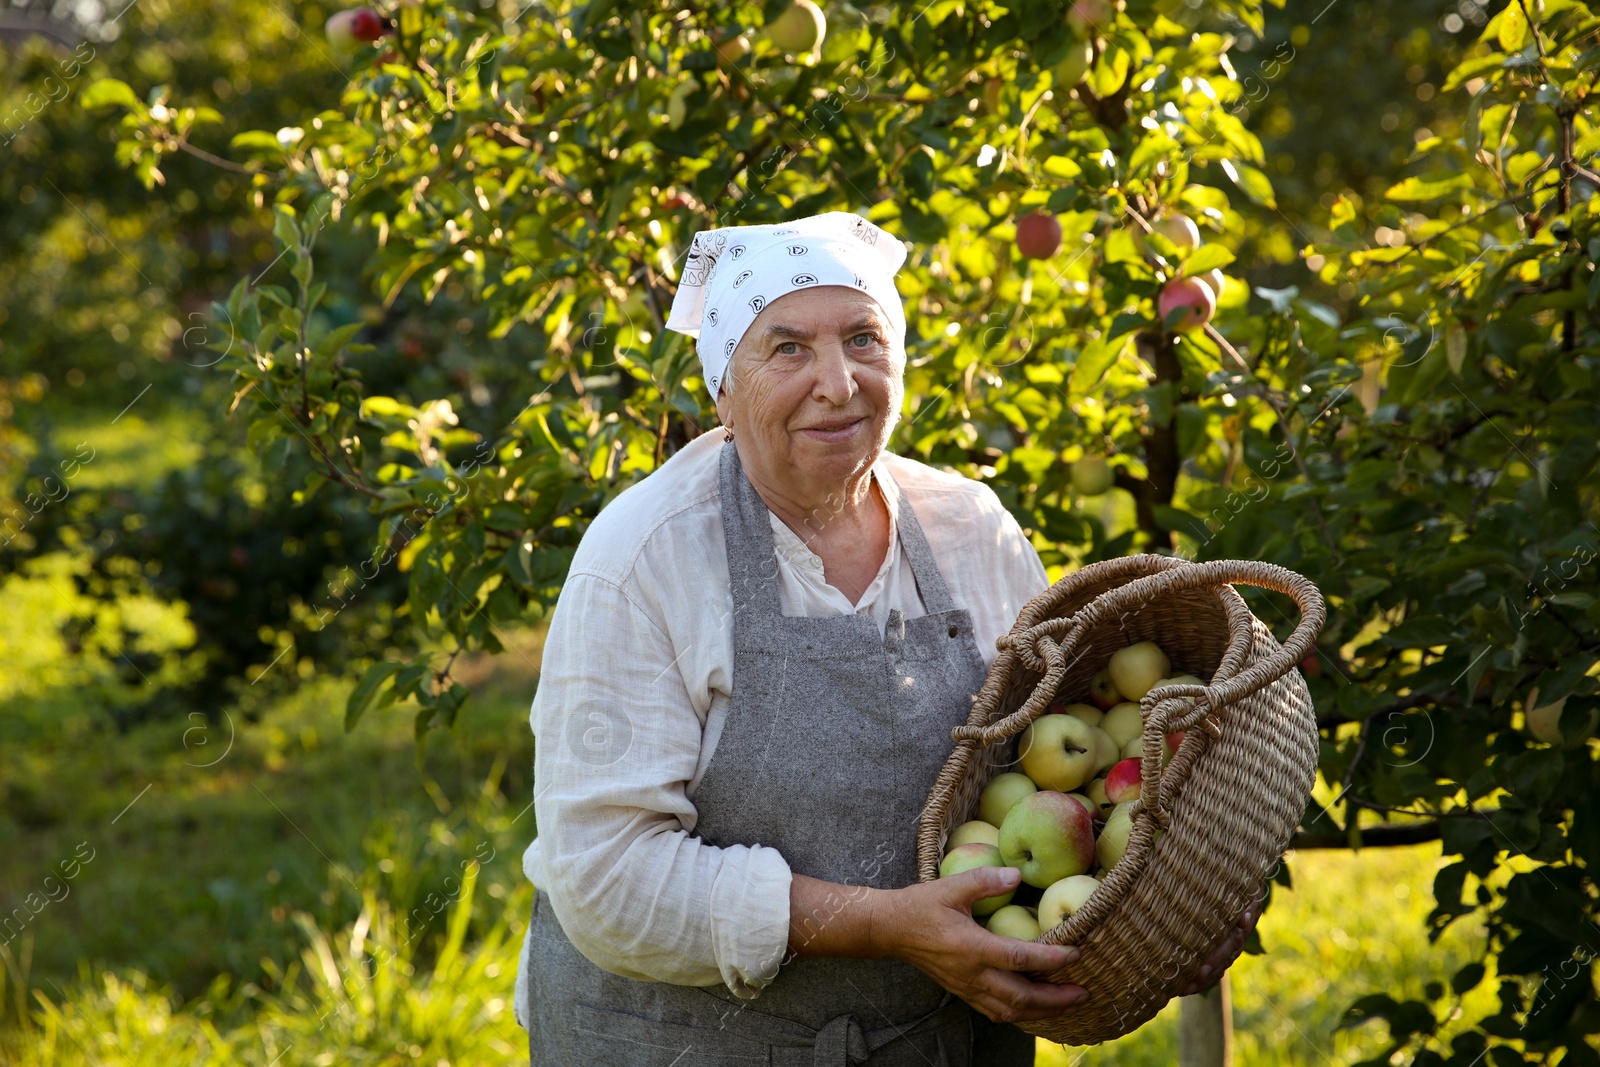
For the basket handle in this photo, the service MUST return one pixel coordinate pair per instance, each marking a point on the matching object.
(1039, 646)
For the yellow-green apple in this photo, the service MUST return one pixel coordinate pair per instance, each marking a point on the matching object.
(976, 830)
(1096, 792)
(1177, 228)
(1136, 668)
(1134, 749)
(1047, 836)
(1014, 920)
(970, 857)
(1544, 723)
(1070, 71)
(1123, 781)
(1103, 692)
(800, 28)
(1092, 475)
(1106, 752)
(732, 47)
(1215, 281)
(1087, 712)
(1001, 793)
(1185, 304)
(1088, 805)
(1091, 18)
(1058, 752)
(1123, 722)
(1064, 898)
(1038, 235)
(1112, 843)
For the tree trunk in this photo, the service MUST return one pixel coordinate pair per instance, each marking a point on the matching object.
(1205, 1027)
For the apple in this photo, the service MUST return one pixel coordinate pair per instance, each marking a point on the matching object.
(1174, 742)
(1193, 297)
(1123, 780)
(731, 48)
(1103, 692)
(1112, 843)
(358, 25)
(1177, 228)
(1087, 18)
(1092, 475)
(1135, 669)
(1096, 792)
(1001, 794)
(1215, 281)
(800, 28)
(977, 830)
(1105, 751)
(1124, 722)
(1038, 235)
(1087, 712)
(970, 857)
(1057, 752)
(1064, 898)
(1047, 836)
(1311, 667)
(1014, 920)
(1071, 70)
(1088, 805)
(1134, 749)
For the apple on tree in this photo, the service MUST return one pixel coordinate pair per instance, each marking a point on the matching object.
(1190, 296)
(1177, 228)
(1092, 475)
(1001, 794)
(1063, 899)
(356, 26)
(1058, 752)
(1038, 235)
(1047, 836)
(970, 857)
(1014, 920)
(1092, 18)
(1068, 73)
(800, 29)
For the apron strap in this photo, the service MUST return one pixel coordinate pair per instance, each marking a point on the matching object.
(753, 559)
(842, 1041)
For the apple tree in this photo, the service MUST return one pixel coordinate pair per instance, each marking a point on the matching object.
(1422, 448)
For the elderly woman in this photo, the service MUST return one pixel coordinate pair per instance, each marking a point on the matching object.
(747, 691)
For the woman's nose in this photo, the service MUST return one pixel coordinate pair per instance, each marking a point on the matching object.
(835, 382)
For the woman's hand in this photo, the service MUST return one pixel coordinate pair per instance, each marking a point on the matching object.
(1224, 954)
(930, 926)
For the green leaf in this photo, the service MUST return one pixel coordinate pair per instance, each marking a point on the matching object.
(109, 92)
(1251, 181)
(1205, 258)
(1431, 187)
(361, 696)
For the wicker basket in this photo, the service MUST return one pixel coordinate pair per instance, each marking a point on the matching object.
(1227, 803)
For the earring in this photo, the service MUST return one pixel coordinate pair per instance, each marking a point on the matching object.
(727, 436)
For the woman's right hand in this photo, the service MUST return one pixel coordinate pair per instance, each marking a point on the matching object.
(930, 926)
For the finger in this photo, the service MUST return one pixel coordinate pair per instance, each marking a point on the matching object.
(1010, 954)
(980, 883)
(1011, 998)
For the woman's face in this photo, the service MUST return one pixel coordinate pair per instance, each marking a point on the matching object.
(816, 387)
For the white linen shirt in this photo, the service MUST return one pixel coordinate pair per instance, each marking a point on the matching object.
(640, 649)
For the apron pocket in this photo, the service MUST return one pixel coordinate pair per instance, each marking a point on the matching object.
(646, 1042)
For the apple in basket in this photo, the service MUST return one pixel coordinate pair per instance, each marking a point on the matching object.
(1087, 712)
(1062, 899)
(1106, 750)
(1113, 840)
(1123, 722)
(968, 832)
(1096, 792)
(1001, 794)
(1058, 752)
(1102, 691)
(1123, 781)
(1135, 669)
(1048, 836)
(1014, 920)
(970, 857)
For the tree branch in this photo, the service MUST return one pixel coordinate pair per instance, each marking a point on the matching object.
(1378, 837)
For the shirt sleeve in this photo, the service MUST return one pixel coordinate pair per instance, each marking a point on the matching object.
(618, 740)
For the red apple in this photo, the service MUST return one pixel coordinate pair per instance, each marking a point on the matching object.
(358, 25)
(1038, 235)
(1123, 781)
(1103, 692)
(1190, 296)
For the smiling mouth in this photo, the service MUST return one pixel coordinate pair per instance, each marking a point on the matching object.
(835, 427)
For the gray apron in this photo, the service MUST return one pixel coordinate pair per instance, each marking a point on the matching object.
(834, 736)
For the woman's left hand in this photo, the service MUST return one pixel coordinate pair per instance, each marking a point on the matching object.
(1225, 953)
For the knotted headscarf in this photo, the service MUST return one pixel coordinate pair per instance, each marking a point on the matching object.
(733, 272)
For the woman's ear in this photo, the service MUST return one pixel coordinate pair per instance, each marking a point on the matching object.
(725, 399)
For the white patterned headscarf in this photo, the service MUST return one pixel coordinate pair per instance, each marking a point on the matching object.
(734, 272)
